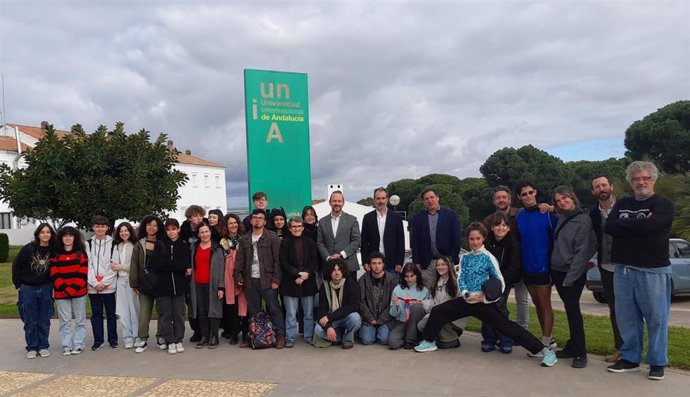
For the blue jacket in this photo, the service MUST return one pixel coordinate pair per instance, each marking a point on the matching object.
(447, 237)
(536, 231)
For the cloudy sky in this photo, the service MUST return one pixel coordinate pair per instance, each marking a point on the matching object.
(397, 88)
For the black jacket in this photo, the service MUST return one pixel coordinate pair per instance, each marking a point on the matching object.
(393, 238)
(288, 262)
(171, 260)
(349, 305)
(507, 253)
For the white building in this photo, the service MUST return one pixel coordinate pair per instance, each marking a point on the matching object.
(205, 185)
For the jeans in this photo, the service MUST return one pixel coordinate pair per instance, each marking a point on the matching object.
(522, 301)
(35, 309)
(643, 297)
(127, 309)
(345, 328)
(291, 304)
(254, 293)
(98, 301)
(374, 333)
(571, 302)
(68, 308)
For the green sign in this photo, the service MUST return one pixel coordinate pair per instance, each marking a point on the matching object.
(277, 114)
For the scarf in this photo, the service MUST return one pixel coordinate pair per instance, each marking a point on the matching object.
(335, 295)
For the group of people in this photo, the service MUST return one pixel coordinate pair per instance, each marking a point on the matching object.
(226, 270)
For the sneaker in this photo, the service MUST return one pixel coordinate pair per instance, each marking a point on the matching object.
(129, 345)
(67, 351)
(289, 344)
(31, 354)
(623, 366)
(96, 346)
(549, 359)
(408, 346)
(612, 358)
(142, 347)
(172, 348)
(44, 353)
(580, 362)
(454, 344)
(552, 344)
(77, 351)
(196, 337)
(114, 345)
(506, 349)
(488, 347)
(425, 346)
(348, 345)
(179, 347)
(656, 372)
(161, 343)
(536, 355)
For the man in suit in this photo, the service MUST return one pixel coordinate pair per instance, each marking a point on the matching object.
(435, 233)
(338, 235)
(382, 231)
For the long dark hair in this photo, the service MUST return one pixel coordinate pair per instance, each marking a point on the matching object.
(141, 233)
(37, 232)
(77, 246)
(451, 284)
(411, 267)
(132, 236)
(309, 208)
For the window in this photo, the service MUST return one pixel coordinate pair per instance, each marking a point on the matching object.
(206, 180)
(194, 181)
(217, 181)
(5, 220)
(683, 248)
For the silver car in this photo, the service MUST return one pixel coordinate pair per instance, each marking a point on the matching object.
(679, 253)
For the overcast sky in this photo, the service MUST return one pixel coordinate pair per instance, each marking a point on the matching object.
(397, 89)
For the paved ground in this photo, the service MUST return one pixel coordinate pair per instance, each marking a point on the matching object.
(307, 371)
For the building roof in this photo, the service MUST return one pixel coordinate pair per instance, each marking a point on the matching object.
(8, 143)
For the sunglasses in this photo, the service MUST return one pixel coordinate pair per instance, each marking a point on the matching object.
(525, 194)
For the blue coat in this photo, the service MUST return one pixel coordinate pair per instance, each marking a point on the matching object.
(447, 237)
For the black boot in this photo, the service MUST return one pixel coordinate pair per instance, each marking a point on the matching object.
(196, 337)
(233, 340)
(213, 342)
(203, 343)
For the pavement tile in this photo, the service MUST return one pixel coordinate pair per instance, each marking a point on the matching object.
(89, 386)
(184, 387)
(11, 381)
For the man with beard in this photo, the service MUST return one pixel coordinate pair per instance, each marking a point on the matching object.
(602, 189)
(338, 236)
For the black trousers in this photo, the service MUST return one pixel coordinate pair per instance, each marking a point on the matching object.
(232, 323)
(607, 283)
(489, 313)
(171, 317)
(571, 301)
(208, 326)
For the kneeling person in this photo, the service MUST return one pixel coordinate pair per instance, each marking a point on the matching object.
(338, 304)
(375, 288)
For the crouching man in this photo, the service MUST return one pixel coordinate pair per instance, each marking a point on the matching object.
(337, 315)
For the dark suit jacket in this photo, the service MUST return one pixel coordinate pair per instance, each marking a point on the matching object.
(393, 238)
(447, 237)
(347, 239)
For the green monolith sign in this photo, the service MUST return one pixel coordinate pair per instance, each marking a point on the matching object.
(277, 114)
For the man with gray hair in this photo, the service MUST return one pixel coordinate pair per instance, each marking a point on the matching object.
(641, 226)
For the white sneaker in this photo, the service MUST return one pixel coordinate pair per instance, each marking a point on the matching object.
(142, 347)
(31, 354)
(77, 351)
(67, 351)
(129, 345)
(44, 353)
(161, 343)
(179, 347)
(172, 349)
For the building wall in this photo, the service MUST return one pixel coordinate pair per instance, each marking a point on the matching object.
(205, 187)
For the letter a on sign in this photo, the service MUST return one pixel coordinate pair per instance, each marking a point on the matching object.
(274, 133)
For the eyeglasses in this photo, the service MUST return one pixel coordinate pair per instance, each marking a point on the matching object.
(642, 179)
(258, 217)
(296, 226)
(525, 194)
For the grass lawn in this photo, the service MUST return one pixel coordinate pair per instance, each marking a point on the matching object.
(597, 328)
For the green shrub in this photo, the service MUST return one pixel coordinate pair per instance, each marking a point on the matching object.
(4, 247)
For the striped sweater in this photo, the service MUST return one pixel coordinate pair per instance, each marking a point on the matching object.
(69, 271)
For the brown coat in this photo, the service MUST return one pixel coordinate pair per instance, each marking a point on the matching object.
(268, 247)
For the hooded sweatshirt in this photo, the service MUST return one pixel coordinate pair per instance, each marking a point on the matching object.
(101, 254)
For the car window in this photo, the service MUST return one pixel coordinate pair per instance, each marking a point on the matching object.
(683, 248)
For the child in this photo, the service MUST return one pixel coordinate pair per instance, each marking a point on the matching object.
(171, 260)
(446, 288)
(477, 268)
(406, 308)
(126, 300)
(69, 269)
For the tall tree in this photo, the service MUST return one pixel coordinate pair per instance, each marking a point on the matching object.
(110, 173)
(662, 137)
(508, 166)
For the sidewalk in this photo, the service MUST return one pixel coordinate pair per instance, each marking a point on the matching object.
(307, 371)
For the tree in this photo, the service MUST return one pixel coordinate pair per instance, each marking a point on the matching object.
(369, 201)
(110, 173)
(662, 137)
(509, 166)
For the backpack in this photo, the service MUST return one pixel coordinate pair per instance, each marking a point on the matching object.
(261, 333)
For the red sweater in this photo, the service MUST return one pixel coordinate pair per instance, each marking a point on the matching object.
(69, 274)
(202, 268)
